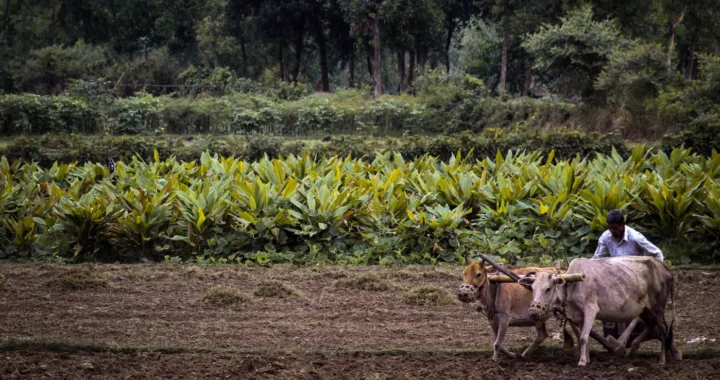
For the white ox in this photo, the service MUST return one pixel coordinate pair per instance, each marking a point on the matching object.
(617, 289)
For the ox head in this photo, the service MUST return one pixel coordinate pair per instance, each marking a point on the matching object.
(474, 278)
(547, 291)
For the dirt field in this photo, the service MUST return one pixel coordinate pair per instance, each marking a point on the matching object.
(170, 321)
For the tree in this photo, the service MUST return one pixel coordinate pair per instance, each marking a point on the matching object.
(633, 75)
(367, 15)
(479, 53)
(178, 25)
(691, 26)
(573, 53)
(457, 14)
(239, 14)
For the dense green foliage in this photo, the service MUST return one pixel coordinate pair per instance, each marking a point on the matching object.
(239, 66)
(443, 107)
(46, 150)
(523, 208)
(574, 51)
(330, 44)
(162, 83)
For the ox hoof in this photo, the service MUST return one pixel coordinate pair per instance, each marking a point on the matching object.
(582, 364)
(676, 354)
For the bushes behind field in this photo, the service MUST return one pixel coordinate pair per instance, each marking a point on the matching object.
(345, 112)
(45, 150)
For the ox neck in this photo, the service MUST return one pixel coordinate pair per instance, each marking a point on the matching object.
(488, 293)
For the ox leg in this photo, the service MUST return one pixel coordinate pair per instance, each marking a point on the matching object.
(539, 338)
(676, 354)
(502, 325)
(657, 320)
(493, 329)
(588, 318)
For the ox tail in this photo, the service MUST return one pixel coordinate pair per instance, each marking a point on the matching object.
(670, 335)
(568, 341)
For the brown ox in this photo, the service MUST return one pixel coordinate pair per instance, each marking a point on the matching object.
(503, 304)
(617, 289)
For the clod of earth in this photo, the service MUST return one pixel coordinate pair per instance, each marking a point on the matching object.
(224, 296)
(77, 279)
(275, 289)
(367, 282)
(427, 295)
(334, 274)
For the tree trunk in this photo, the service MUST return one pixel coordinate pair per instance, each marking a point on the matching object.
(188, 53)
(369, 64)
(305, 65)
(411, 70)
(528, 82)
(351, 65)
(502, 87)
(691, 61)
(673, 29)
(448, 42)
(320, 36)
(298, 50)
(282, 63)
(53, 26)
(243, 55)
(377, 70)
(401, 70)
(7, 14)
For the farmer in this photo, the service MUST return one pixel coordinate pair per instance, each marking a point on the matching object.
(621, 240)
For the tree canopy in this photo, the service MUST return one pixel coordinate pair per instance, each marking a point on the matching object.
(513, 46)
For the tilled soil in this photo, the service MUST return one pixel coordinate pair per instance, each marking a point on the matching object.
(151, 306)
(144, 365)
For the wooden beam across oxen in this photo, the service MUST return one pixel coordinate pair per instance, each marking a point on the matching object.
(573, 277)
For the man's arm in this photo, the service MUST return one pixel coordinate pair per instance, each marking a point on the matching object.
(649, 248)
(601, 250)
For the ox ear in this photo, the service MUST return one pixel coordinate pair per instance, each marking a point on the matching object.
(559, 281)
(527, 280)
(467, 261)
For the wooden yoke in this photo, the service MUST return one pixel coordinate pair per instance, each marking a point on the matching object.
(511, 275)
(573, 277)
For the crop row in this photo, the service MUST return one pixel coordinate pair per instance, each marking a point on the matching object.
(518, 207)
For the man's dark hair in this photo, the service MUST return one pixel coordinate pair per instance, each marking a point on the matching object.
(615, 217)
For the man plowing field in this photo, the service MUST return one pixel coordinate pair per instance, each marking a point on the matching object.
(623, 288)
(621, 240)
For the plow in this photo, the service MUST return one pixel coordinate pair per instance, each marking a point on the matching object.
(610, 344)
